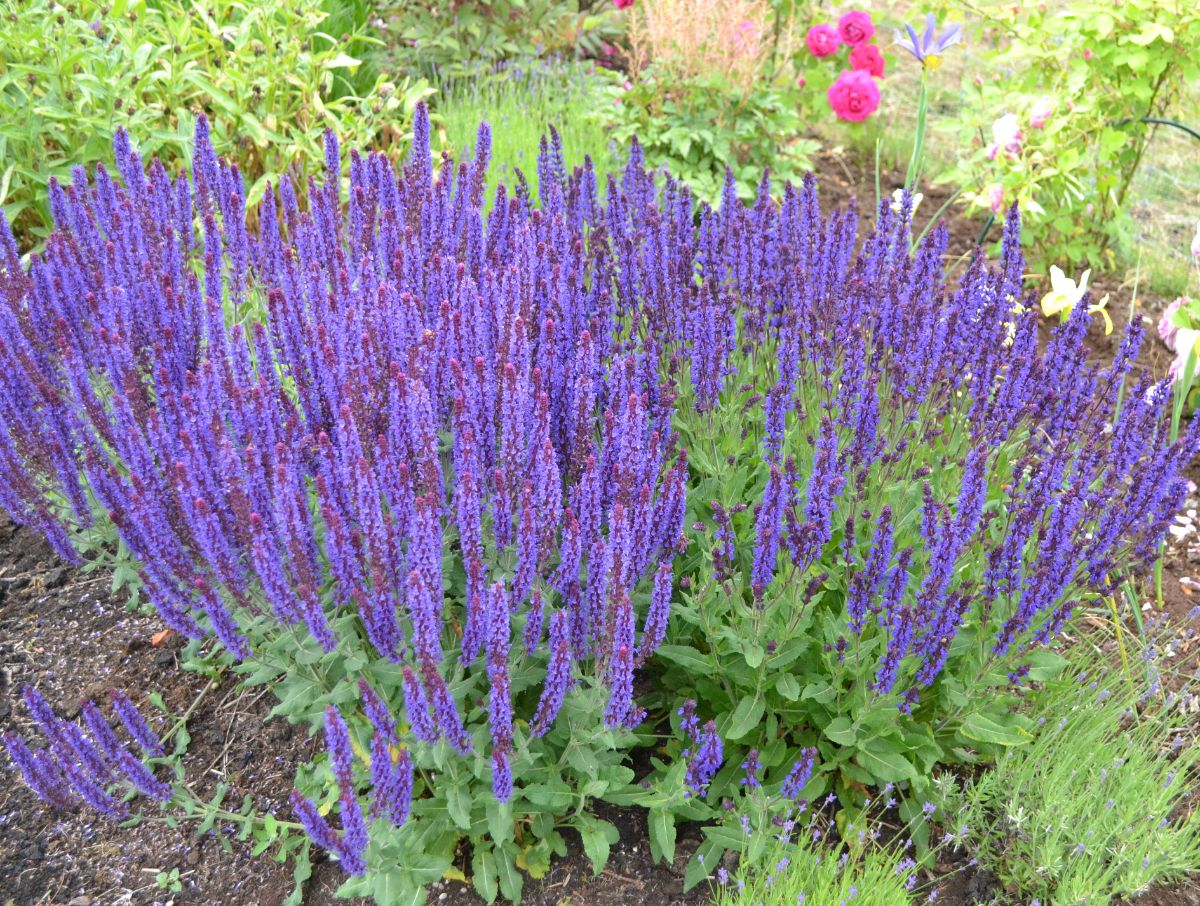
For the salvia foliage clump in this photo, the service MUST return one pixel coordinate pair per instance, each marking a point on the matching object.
(457, 469)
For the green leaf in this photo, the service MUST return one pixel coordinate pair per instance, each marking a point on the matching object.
(458, 805)
(662, 835)
(754, 654)
(556, 798)
(485, 869)
(395, 888)
(980, 727)
(499, 821)
(342, 61)
(597, 836)
(842, 731)
(745, 718)
(511, 879)
(703, 863)
(685, 656)
(883, 759)
(296, 696)
(788, 687)
(822, 693)
(1045, 664)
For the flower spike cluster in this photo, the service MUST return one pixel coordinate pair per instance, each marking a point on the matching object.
(80, 767)
(445, 432)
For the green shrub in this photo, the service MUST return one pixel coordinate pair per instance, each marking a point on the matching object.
(703, 97)
(1079, 78)
(792, 852)
(700, 128)
(442, 40)
(268, 76)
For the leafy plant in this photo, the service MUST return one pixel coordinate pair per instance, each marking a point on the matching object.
(813, 857)
(266, 74)
(697, 100)
(1082, 80)
(792, 843)
(169, 880)
(91, 764)
(459, 40)
(700, 130)
(500, 623)
(435, 474)
(873, 570)
(1097, 805)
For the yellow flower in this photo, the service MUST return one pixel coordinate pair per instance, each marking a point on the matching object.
(1065, 293)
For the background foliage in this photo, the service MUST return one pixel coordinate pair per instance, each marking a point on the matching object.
(1100, 68)
(268, 75)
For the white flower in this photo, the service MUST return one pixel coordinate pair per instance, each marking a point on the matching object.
(898, 201)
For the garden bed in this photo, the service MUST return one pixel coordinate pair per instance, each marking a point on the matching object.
(64, 634)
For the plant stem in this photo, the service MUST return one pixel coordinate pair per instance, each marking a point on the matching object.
(183, 719)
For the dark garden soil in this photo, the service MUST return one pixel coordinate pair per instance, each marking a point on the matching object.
(61, 632)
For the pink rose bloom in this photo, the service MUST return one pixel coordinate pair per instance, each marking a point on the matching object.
(1087, 53)
(856, 27)
(854, 96)
(822, 40)
(1043, 108)
(1006, 134)
(996, 198)
(622, 4)
(868, 58)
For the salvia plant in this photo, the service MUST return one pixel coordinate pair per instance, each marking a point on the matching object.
(455, 484)
(79, 767)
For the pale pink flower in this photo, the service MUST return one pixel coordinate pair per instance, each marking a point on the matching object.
(1006, 135)
(1043, 109)
(1180, 340)
(995, 196)
(1166, 324)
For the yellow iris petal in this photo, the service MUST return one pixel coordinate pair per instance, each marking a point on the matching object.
(933, 61)
(1103, 310)
(1054, 303)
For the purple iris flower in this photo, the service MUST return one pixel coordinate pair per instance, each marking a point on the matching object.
(928, 48)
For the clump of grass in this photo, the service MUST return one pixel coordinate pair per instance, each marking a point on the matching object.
(1163, 211)
(1096, 807)
(521, 101)
(872, 877)
(804, 860)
